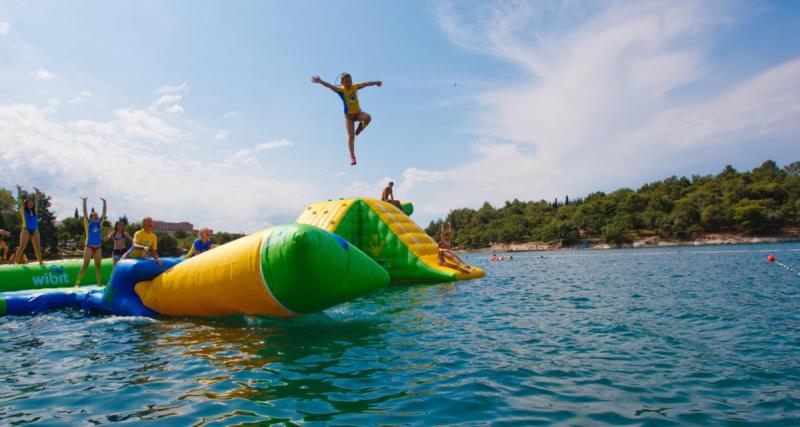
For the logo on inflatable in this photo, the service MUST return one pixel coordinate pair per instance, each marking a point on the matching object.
(54, 276)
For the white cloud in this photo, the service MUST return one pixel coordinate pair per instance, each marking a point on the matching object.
(175, 109)
(232, 114)
(168, 99)
(81, 97)
(271, 145)
(123, 160)
(43, 74)
(92, 127)
(221, 134)
(596, 108)
(137, 123)
(247, 155)
(171, 90)
(4, 27)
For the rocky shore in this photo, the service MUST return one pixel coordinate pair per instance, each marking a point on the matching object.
(649, 242)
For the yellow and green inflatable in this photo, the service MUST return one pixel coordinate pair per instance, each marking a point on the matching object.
(388, 236)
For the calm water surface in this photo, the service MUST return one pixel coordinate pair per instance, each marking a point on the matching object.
(690, 336)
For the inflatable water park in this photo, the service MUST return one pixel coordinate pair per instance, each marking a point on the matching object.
(336, 251)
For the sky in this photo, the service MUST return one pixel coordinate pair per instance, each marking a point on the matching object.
(203, 111)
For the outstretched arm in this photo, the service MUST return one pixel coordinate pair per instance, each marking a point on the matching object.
(375, 83)
(318, 80)
(36, 197)
(103, 218)
(85, 214)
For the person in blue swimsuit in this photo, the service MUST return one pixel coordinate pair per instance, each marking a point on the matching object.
(202, 244)
(29, 215)
(93, 248)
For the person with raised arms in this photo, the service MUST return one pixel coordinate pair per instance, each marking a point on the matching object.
(120, 237)
(29, 216)
(348, 92)
(93, 245)
(202, 244)
(145, 243)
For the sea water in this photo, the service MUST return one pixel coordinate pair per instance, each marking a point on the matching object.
(678, 336)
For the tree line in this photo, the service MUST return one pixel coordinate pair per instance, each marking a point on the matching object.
(66, 237)
(763, 201)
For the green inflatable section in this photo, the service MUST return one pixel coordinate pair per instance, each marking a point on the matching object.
(53, 274)
(308, 271)
(392, 253)
(387, 235)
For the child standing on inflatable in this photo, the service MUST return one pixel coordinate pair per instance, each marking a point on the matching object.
(93, 247)
(202, 244)
(29, 215)
(348, 92)
(120, 244)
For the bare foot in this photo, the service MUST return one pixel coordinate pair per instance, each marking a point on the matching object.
(352, 160)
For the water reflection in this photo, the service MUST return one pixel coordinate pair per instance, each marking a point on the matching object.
(267, 360)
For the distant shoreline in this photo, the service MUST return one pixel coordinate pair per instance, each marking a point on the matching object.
(647, 242)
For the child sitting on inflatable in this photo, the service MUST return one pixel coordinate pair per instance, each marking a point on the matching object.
(145, 243)
(446, 253)
(348, 92)
(93, 247)
(202, 244)
(388, 195)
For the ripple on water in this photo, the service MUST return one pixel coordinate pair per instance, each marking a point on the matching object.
(695, 336)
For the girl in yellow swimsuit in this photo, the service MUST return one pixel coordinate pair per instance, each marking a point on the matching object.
(348, 92)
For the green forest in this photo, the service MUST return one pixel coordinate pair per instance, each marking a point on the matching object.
(65, 238)
(763, 201)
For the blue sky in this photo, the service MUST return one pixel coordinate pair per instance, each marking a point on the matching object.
(203, 111)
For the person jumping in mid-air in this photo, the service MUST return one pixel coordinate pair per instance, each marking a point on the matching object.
(352, 111)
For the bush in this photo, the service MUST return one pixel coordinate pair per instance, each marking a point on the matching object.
(167, 245)
(615, 233)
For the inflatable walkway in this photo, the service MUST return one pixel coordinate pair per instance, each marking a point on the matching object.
(388, 236)
(53, 274)
(282, 271)
(338, 250)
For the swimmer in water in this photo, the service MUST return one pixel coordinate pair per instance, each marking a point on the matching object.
(120, 237)
(29, 216)
(348, 92)
(93, 247)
